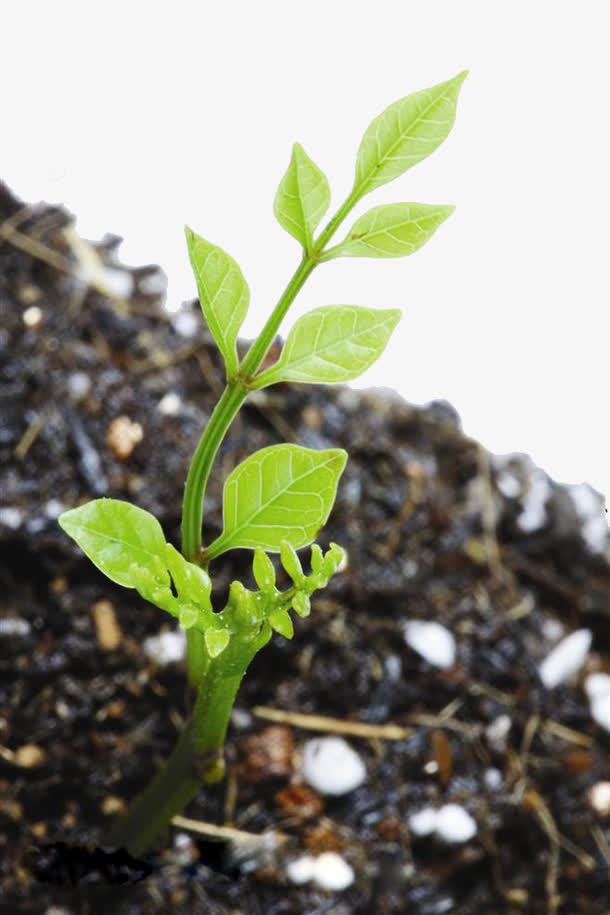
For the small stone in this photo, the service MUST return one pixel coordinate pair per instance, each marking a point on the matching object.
(79, 385)
(497, 732)
(331, 766)
(11, 626)
(492, 779)
(533, 515)
(29, 756)
(332, 872)
(170, 404)
(433, 642)
(565, 659)
(53, 509)
(122, 437)
(423, 823)
(186, 323)
(600, 711)
(32, 317)
(107, 629)
(11, 517)
(29, 294)
(597, 685)
(599, 798)
(269, 754)
(454, 824)
(301, 870)
(166, 648)
(111, 806)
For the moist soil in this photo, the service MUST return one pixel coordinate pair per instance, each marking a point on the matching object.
(433, 526)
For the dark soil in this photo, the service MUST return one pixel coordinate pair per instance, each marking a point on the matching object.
(429, 536)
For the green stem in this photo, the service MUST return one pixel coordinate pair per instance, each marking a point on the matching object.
(197, 757)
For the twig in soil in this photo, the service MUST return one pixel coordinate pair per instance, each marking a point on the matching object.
(489, 516)
(334, 725)
(522, 608)
(567, 734)
(31, 434)
(35, 248)
(228, 833)
(602, 843)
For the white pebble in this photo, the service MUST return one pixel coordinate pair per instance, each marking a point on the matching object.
(301, 870)
(54, 508)
(454, 824)
(552, 629)
(597, 685)
(590, 509)
(508, 484)
(186, 323)
(599, 798)
(533, 514)
(118, 283)
(332, 872)
(32, 316)
(423, 823)
(11, 517)
(14, 626)
(153, 284)
(565, 659)
(331, 766)
(492, 778)
(170, 404)
(79, 385)
(600, 711)
(167, 647)
(433, 642)
(497, 731)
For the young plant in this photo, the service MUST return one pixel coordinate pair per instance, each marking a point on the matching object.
(277, 500)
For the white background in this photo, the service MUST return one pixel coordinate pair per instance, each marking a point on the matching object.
(140, 117)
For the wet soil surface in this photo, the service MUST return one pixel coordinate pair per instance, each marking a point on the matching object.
(436, 529)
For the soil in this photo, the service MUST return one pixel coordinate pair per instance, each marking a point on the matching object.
(86, 716)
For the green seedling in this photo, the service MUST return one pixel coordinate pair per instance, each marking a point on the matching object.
(277, 500)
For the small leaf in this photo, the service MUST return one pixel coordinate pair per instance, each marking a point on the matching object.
(119, 538)
(405, 133)
(291, 562)
(263, 571)
(317, 558)
(281, 622)
(284, 492)
(192, 582)
(223, 293)
(393, 230)
(302, 197)
(216, 640)
(301, 604)
(335, 343)
(188, 616)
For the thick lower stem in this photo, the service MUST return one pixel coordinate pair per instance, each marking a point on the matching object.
(197, 757)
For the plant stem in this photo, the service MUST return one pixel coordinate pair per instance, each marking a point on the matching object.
(197, 756)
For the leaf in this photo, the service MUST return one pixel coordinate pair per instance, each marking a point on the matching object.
(281, 622)
(405, 133)
(284, 492)
(302, 197)
(332, 344)
(192, 583)
(264, 572)
(393, 230)
(120, 539)
(216, 640)
(223, 293)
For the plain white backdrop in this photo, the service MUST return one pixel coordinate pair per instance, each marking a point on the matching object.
(140, 117)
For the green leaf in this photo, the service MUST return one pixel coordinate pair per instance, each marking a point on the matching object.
(263, 571)
(192, 582)
(405, 133)
(393, 230)
(281, 622)
(284, 492)
(301, 604)
(120, 539)
(332, 344)
(291, 562)
(302, 197)
(216, 640)
(223, 293)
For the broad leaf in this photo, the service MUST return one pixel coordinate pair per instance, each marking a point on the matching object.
(121, 540)
(216, 640)
(223, 293)
(284, 492)
(302, 197)
(405, 133)
(335, 343)
(393, 230)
